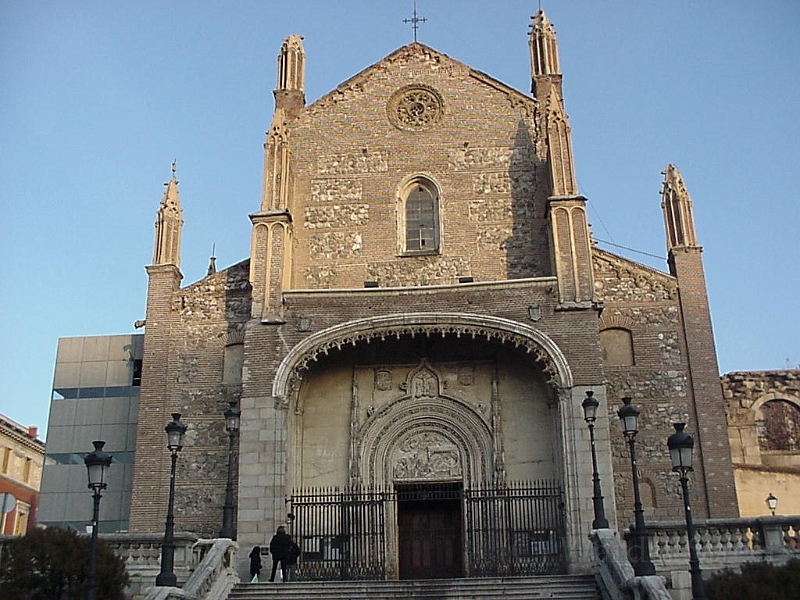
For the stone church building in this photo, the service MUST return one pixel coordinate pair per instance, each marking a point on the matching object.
(422, 314)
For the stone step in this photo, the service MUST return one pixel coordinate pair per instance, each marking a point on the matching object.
(562, 587)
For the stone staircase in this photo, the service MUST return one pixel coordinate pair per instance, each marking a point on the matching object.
(563, 587)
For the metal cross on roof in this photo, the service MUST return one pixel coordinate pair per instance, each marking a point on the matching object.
(415, 21)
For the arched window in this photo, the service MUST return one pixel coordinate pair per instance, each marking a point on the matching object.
(617, 346)
(419, 217)
(778, 426)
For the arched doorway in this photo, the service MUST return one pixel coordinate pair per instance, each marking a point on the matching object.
(414, 429)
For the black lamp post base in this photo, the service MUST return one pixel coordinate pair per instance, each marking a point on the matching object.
(167, 579)
(643, 569)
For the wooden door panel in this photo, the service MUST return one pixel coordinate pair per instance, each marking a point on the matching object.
(430, 539)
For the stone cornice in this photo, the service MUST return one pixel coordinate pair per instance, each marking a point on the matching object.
(543, 282)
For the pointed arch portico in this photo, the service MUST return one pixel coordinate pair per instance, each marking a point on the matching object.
(529, 339)
(439, 426)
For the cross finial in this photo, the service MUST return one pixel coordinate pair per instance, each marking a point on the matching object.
(174, 166)
(415, 21)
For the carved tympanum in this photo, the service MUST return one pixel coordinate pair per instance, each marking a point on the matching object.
(426, 455)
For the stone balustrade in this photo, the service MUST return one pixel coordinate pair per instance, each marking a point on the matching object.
(721, 544)
(212, 579)
(142, 555)
(725, 543)
(614, 572)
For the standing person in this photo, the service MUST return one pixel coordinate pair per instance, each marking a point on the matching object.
(279, 548)
(291, 561)
(255, 564)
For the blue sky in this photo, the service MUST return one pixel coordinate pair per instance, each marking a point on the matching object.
(98, 98)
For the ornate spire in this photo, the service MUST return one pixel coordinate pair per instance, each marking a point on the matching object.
(543, 48)
(677, 207)
(290, 91)
(169, 224)
(292, 64)
(559, 147)
(546, 87)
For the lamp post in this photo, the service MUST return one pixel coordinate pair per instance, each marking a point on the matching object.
(96, 464)
(590, 404)
(232, 416)
(175, 430)
(772, 503)
(640, 555)
(680, 446)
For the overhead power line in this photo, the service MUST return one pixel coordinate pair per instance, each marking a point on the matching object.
(631, 249)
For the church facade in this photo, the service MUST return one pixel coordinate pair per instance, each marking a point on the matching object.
(410, 342)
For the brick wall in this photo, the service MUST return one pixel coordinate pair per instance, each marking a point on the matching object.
(187, 330)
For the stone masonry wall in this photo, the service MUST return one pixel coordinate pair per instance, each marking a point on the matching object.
(745, 392)
(351, 157)
(262, 483)
(207, 316)
(645, 302)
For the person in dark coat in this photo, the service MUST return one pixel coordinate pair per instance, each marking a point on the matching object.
(279, 548)
(290, 571)
(255, 563)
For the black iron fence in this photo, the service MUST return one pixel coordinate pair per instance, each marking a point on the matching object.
(515, 530)
(510, 530)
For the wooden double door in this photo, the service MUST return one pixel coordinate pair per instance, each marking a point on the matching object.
(430, 531)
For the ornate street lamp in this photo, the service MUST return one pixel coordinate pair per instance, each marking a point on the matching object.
(96, 464)
(175, 430)
(232, 416)
(590, 404)
(680, 446)
(772, 503)
(640, 550)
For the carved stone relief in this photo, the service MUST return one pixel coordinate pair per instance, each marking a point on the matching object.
(466, 375)
(409, 431)
(383, 379)
(424, 384)
(304, 323)
(426, 455)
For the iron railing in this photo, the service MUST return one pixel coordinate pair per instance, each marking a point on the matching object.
(517, 530)
(341, 534)
(510, 530)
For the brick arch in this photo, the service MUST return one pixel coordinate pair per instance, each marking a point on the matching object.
(615, 322)
(762, 400)
(228, 338)
(770, 438)
(532, 341)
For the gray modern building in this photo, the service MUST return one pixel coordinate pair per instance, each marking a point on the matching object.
(95, 397)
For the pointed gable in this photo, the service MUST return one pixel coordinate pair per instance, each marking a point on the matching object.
(416, 124)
